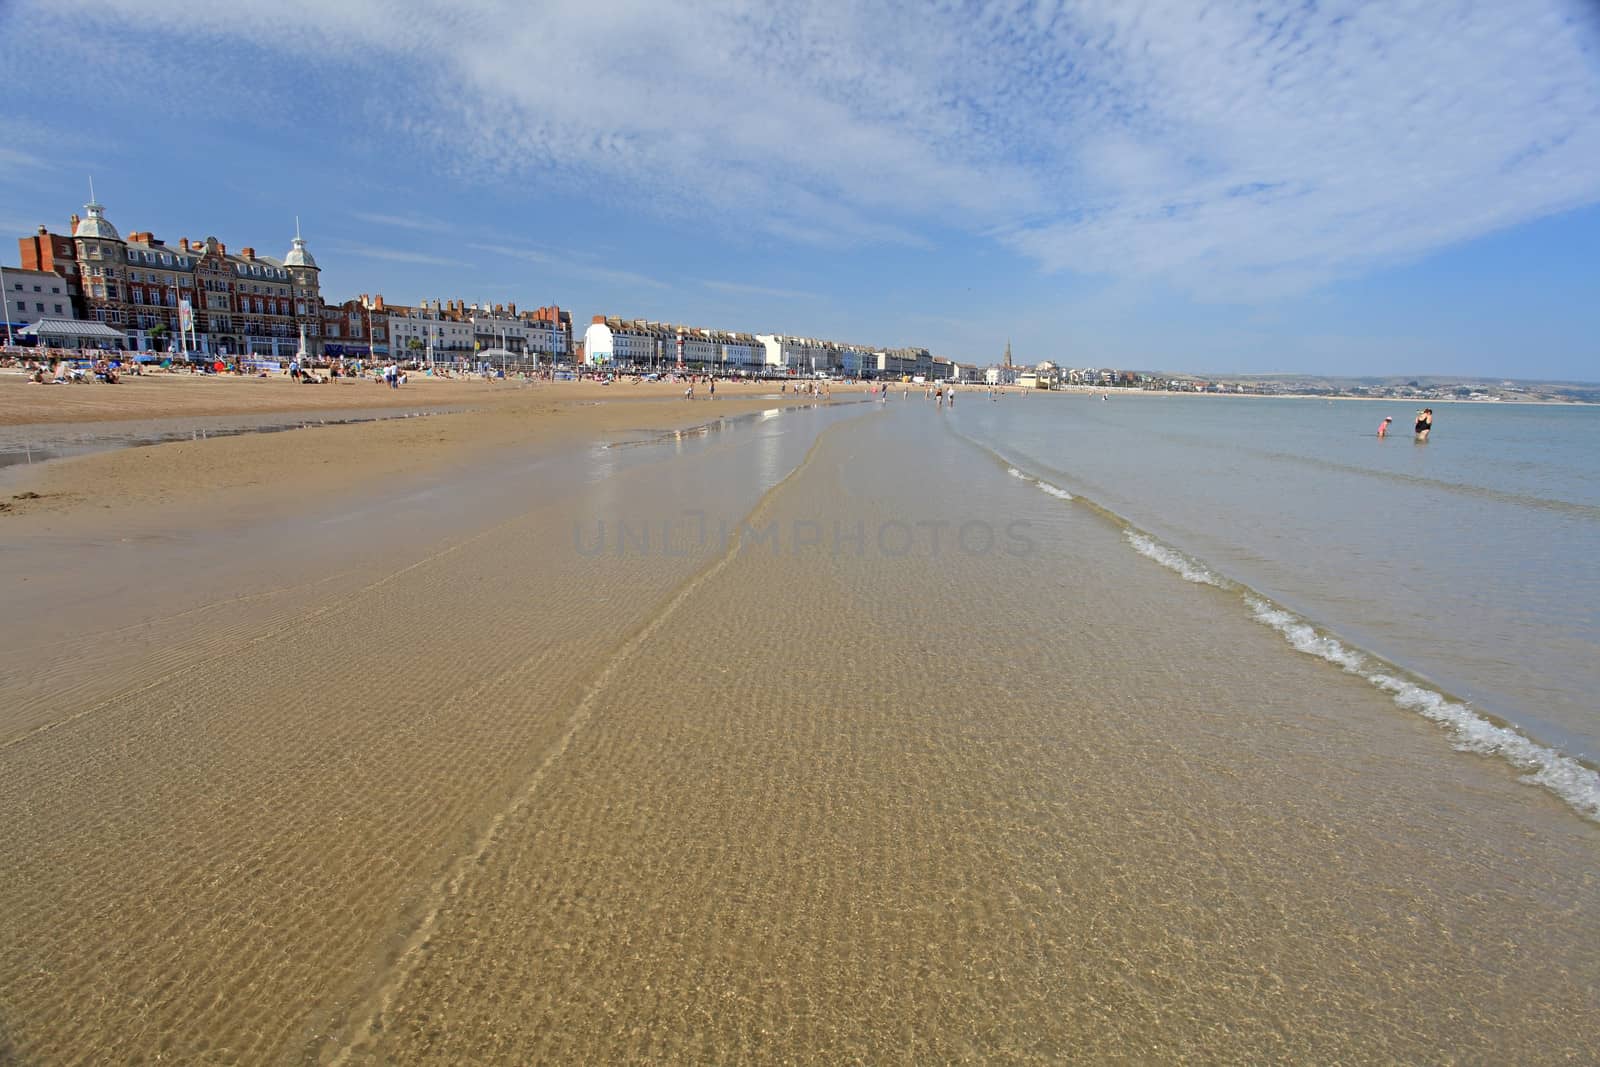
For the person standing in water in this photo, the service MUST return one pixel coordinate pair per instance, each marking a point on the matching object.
(1424, 423)
(1383, 427)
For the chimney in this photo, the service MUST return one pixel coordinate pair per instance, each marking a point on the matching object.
(222, 249)
(72, 224)
(183, 243)
(43, 231)
(513, 310)
(599, 320)
(248, 253)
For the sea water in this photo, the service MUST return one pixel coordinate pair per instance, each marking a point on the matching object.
(1460, 574)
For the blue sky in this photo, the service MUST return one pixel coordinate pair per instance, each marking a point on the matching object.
(1341, 188)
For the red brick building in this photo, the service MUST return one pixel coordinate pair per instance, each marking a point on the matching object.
(243, 303)
(55, 253)
(358, 328)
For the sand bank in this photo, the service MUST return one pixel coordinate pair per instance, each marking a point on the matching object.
(262, 472)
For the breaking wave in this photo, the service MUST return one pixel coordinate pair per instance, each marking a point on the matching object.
(1564, 776)
(1577, 784)
(1192, 570)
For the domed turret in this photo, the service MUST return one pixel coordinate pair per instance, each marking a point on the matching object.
(96, 224)
(298, 256)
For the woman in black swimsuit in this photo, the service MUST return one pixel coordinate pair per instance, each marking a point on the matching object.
(1424, 423)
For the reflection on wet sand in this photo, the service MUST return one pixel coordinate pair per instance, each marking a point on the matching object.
(499, 800)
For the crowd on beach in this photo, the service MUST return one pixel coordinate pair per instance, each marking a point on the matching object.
(87, 367)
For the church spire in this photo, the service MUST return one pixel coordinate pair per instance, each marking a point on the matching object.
(1008, 351)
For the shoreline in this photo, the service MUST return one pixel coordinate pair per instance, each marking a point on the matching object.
(1120, 391)
(254, 471)
(155, 396)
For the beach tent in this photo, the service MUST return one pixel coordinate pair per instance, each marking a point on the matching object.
(71, 333)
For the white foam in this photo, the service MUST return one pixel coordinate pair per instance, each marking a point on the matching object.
(1044, 486)
(1170, 559)
(1564, 776)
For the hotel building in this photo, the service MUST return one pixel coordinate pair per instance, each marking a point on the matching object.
(243, 303)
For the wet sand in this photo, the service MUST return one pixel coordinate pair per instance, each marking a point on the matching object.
(252, 473)
(471, 791)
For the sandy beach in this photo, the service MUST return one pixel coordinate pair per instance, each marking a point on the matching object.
(257, 472)
(457, 739)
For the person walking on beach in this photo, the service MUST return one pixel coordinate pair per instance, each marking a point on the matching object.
(1383, 427)
(1424, 423)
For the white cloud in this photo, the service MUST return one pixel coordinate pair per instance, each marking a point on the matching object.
(404, 222)
(760, 290)
(1230, 149)
(11, 157)
(394, 255)
(569, 268)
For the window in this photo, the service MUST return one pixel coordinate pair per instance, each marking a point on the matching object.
(56, 289)
(58, 309)
(37, 289)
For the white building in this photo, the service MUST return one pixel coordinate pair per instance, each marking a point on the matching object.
(545, 338)
(737, 351)
(639, 343)
(31, 295)
(447, 339)
(629, 343)
(495, 327)
(800, 355)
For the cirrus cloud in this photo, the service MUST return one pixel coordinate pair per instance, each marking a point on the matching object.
(1232, 150)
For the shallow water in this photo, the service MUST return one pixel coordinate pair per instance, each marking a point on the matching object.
(30, 443)
(1472, 560)
(876, 786)
(819, 738)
